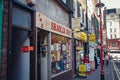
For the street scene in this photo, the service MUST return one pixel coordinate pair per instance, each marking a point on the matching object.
(59, 40)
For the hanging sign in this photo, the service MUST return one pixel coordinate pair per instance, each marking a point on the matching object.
(92, 37)
(82, 36)
(75, 23)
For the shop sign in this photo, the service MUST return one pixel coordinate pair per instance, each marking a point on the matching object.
(82, 36)
(75, 23)
(92, 37)
(45, 23)
(27, 48)
(78, 48)
(76, 31)
(82, 70)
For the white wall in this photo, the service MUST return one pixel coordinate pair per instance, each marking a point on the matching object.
(115, 24)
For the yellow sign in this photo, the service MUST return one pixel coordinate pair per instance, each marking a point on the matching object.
(92, 37)
(82, 70)
(78, 48)
(82, 36)
(76, 31)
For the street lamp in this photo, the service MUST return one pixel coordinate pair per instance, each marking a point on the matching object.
(100, 5)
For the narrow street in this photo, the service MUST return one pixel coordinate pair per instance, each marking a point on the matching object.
(111, 72)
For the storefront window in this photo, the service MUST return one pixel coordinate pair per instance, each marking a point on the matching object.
(60, 54)
(79, 53)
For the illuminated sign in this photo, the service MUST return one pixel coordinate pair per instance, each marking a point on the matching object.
(27, 48)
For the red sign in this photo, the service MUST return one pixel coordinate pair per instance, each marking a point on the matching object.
(27, 48)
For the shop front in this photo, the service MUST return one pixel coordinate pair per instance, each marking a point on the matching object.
(79, 40)
(92, 51)
(54, 51)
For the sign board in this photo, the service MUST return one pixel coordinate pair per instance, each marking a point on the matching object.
(82, 70)
(82, 36)
(75, 23)
(92, 37)
(78, 48)
(46, 23)
(27, 48)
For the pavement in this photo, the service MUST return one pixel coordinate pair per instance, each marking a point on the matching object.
(95, 75)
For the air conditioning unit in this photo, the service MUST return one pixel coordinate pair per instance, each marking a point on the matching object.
(31, 2)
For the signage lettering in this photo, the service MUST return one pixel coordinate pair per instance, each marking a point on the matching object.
(48, 24)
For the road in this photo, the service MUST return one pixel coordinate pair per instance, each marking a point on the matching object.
(116, 66)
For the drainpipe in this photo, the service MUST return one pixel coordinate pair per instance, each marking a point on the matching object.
(70, 26)
(1, 8)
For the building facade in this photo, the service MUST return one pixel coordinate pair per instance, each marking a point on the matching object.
(36, 40)
(113, 30)
(40, 41)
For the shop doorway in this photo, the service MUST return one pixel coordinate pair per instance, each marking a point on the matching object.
(19, 61)
(42, 54)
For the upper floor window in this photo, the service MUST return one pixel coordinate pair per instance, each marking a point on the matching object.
(111, 36)
(110, 23)
(114, 29)
(83, 16)
(115, 35)
(110, 29)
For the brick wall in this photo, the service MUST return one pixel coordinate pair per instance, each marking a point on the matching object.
(4, 40)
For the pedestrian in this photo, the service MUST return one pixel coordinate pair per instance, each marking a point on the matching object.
(107, 59)
(96, 62)
(86, 60)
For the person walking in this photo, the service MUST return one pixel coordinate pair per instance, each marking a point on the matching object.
(96, 62)
(107, 59)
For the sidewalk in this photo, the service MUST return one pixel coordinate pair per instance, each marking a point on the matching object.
(95, 75)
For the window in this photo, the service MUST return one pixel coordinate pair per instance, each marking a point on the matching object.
(115, 36)
(60, 54)
(113, 44)
(111, 36)
(110, 29)
(83, 16)
(110, 23)
(21, 17)
(114, 29)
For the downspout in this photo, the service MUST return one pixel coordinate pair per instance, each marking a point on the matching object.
(70, 26)
(1, 9)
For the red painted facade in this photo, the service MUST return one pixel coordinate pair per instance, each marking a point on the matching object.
(113, 44)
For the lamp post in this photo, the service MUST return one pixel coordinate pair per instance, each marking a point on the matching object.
(100, 5)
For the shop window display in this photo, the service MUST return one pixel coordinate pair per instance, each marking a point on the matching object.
(60, 54)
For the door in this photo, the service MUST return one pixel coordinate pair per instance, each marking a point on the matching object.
(42, 54)
(19, 67)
